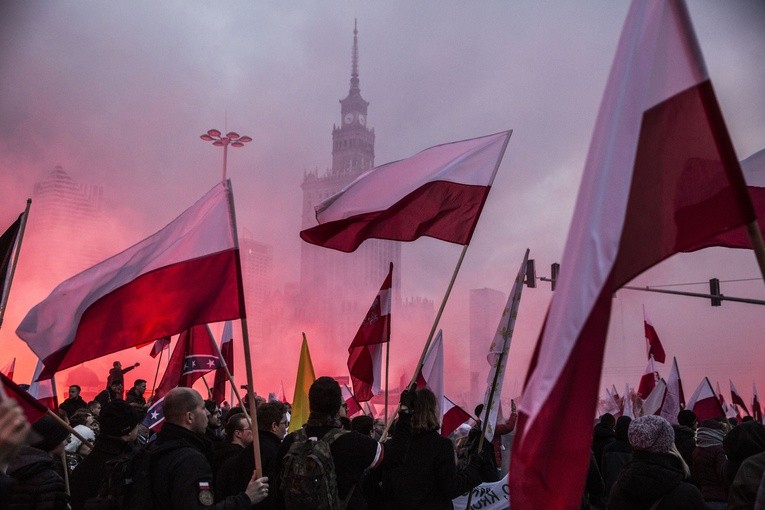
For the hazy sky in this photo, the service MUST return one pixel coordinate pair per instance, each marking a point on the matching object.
(119, 92)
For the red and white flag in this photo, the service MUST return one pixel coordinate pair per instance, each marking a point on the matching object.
(44, 390)
(452, 417)
(353, 404)
(735, 398)
(194, 356)
(184, 275)
(9, 369)
(652, 342)
(366, 351)
(704, 402)
(674, 400)
(227, 351)
(32, 408)
(159, 345)
(653, 403)
(661, 175)
(648, 380)
(611, 404)
(438, 193)
(756, 407)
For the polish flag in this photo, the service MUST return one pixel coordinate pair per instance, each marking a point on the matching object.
(44, 390)
(438, 193)
(661, 175)
(611, 404)
(9, 369)
(648, 380)
(184, 275)
(159, 345)
(653, 403)
(735, 397)
(227, 351)
(674, 400)
(194, 356)
(452, 417)
(366, 351)
(32, 408)
(704, 403)
(756, 407)
(652, 342)
(353, 405)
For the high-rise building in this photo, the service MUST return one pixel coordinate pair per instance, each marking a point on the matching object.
(64, 218)
(333, 284)
(485, 310)
(257, 275)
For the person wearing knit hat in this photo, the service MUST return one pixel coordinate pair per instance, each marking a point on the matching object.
(709, 461)
(38, 484)
(656, 477)
(118, 418)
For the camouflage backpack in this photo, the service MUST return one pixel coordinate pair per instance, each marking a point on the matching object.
(308, 478)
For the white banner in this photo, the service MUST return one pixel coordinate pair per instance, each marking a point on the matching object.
(487, 496)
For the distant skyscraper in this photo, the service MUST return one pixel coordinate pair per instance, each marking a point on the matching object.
(63, 220)
(257, 275)
(333, 284)
(486, 307)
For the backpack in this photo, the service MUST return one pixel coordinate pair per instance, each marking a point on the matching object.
(308, 478)
(126, 484)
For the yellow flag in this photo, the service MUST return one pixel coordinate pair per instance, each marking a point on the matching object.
(305, 378)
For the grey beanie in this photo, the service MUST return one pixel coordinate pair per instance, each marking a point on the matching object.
(651, 434)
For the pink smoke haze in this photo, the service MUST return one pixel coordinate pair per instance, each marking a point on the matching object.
(117, 94)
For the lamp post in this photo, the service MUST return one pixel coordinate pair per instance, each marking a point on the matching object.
(233, 139)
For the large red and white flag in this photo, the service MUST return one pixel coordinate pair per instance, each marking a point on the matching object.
(652, 342)
(438, 193)
(44, 389)
(704, 402)
(654, 401)
(674, 399)
(736, 398)
(9, 369)
(498, 349)
(366, 351)
(32, 408)
(227, 351)
(648, 380)
(756, 407)
(194, 356)
(661, 174)
(184, 275)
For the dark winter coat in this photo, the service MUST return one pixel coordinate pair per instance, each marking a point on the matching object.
(419, 471)
(615, 456)
(38, 484)
(236, 471)
(70, 405)
(743, 490)
(741, 443)
(651, 477)
(601, 436)
(87, 477)
(181, 470)
(708, 472)
(685, 441)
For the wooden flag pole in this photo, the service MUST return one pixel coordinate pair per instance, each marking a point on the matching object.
(245, 336)
(755, 237)
(421, 362)
(7, 288)
(156, 374)
(207, 387)
(230, 377)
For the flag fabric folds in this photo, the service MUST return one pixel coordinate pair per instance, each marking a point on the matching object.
(497, 356)
(438, 193)
(653, 344)
(44, 389)
(366, 350)
(159, 345)
(227, 351)
(756, 407)
(654, 401)
(735, 398)
(194, 356)
(303, 381)
(648, 380)
(661, 175)
(674, 399)
(704, 402)
(9, 369)
(33, 409)
(184, 275)
(7, 245)
(353, 404)
(453, 417)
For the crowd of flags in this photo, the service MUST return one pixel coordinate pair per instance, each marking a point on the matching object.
(661, 177)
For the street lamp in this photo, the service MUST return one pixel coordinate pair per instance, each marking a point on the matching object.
(231, 138)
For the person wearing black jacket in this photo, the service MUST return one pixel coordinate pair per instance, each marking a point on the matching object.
(74, 402)
(419, 470)
(181, 460)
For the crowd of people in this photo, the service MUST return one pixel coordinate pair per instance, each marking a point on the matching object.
(204, 456)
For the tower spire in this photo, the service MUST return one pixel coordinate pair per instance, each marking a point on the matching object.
(355, 59)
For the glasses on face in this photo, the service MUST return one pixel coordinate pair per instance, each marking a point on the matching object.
(286, 423)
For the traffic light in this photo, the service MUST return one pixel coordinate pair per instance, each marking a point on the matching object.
(714, 290)
(531, 274)
(554, 272)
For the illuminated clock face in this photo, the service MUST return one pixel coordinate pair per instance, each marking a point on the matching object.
(348, 118)
(362, 120)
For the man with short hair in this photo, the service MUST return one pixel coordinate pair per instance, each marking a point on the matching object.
(214, 417)
(117, 373)
(135, 396)
(74, 401)
(113, 392)
(352, 452)
(181, 471)
(238, 435)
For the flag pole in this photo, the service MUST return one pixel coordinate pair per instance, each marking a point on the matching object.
(758, 244)
(421, 362)
(230, 377)
(387, 350)
(245, 335)
(156, 374)
(207, 386)
(19, 237)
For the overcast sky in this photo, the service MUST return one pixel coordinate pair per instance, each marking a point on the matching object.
(118, 93)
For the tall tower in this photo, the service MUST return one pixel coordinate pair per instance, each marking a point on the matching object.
(336, 288)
